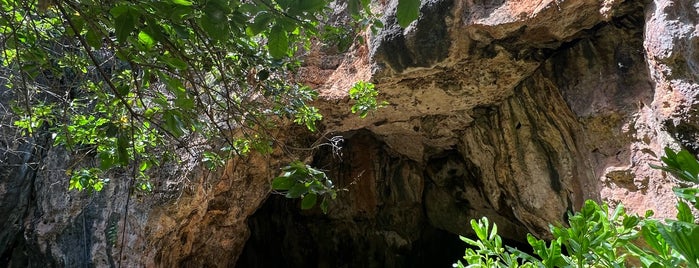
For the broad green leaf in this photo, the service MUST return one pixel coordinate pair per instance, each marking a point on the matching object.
(119, 10)
(309, 6)
(184, 103)
(282, 183)
(656, 265)
(650, 234)
(278, 42)
(407, 12)
(155, 30)
(682, 165)
(215, 13)
(308, 201)
(98, 185)
(296, 191)
(285, 5)
(618, 211)
(683, 237)
(174, 62)
(93, 38)
(215, 20)
(180, 13)
(173, 123)
(684, 213)
(122, 149)
(260, 23)
(216, 30)
(146, 40)
(107, 159)
(688, 163)
(124, 22)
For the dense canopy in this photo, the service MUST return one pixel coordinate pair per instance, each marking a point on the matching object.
(132, 82)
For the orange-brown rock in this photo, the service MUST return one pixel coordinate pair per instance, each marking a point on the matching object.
(513, 109)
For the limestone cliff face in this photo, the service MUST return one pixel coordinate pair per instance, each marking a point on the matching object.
(515, 110)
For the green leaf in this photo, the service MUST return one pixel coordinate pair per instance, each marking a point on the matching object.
(684, 213)
(146, 40)
(480, 227)
(107, 160)
(354, 7)
(144, 166)
(650, 234)
(180, 13)
(119, 10)
(687, 162)
(182, 2)
(407, 12)
(309, 6)
(215, 20)
(260, 23)
(174, 62)
(282, 183)
(216, 30)
(122, 149)
(630, 222)
(278, 42)
(217, 11)
(297, 190)
(683, 237)
(93, 38)
(308, 201)
(184, 102)
(173, 123)
(124, 22)
(687, 194)
(682, 165)
(324, 206)
(656, 265)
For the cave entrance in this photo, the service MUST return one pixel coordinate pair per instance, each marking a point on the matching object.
(284, 236)
(379, 222)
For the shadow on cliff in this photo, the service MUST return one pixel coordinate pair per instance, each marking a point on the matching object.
(390, 215)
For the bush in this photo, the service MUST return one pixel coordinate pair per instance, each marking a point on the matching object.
(595, 238)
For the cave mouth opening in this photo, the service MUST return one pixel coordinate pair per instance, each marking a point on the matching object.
(281, 235)
(381, 221)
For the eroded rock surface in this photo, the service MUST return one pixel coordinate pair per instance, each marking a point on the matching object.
(515, 110)
(528, 109)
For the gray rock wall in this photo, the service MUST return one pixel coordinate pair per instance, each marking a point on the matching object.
(515, 110)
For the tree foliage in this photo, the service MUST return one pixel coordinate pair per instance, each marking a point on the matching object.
(139, 82)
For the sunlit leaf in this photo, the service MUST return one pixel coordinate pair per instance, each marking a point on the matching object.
(278, 42)
(146, 40)
(182, 2)
(407, 12)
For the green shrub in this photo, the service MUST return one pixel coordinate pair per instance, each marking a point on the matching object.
(595, 238)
